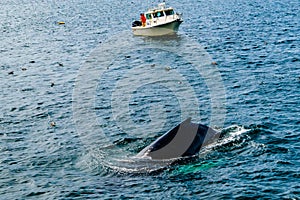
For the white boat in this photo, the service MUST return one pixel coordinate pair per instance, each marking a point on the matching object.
(161, 20)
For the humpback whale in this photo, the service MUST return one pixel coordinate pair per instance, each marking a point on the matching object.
(184, 140)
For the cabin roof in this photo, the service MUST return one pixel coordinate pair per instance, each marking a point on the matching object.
(158, 10)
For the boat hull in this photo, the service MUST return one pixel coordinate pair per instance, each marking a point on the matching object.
(158, 30)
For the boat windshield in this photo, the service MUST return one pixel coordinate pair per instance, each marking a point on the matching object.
(169, 12)
(158, 14)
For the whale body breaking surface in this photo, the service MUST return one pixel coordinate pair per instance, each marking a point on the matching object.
(184, 140)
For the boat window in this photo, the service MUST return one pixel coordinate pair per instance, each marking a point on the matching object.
(148, 16)
(169, 12)
(158, 14)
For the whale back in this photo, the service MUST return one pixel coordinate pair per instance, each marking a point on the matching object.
(185, 139)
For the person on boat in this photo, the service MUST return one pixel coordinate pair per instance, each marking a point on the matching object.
(143, 19)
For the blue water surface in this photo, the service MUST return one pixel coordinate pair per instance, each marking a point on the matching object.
(48, 150)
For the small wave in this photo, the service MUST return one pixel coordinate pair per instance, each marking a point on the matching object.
(231, 134)
(116, 162)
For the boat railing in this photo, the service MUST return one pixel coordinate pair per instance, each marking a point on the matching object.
(161, 6)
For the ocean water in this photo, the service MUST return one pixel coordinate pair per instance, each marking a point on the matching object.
(80, 99)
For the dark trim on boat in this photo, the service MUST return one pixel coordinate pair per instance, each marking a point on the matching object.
(179, 21)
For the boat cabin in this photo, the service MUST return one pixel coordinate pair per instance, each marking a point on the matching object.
(160, 20)
(159, 13)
